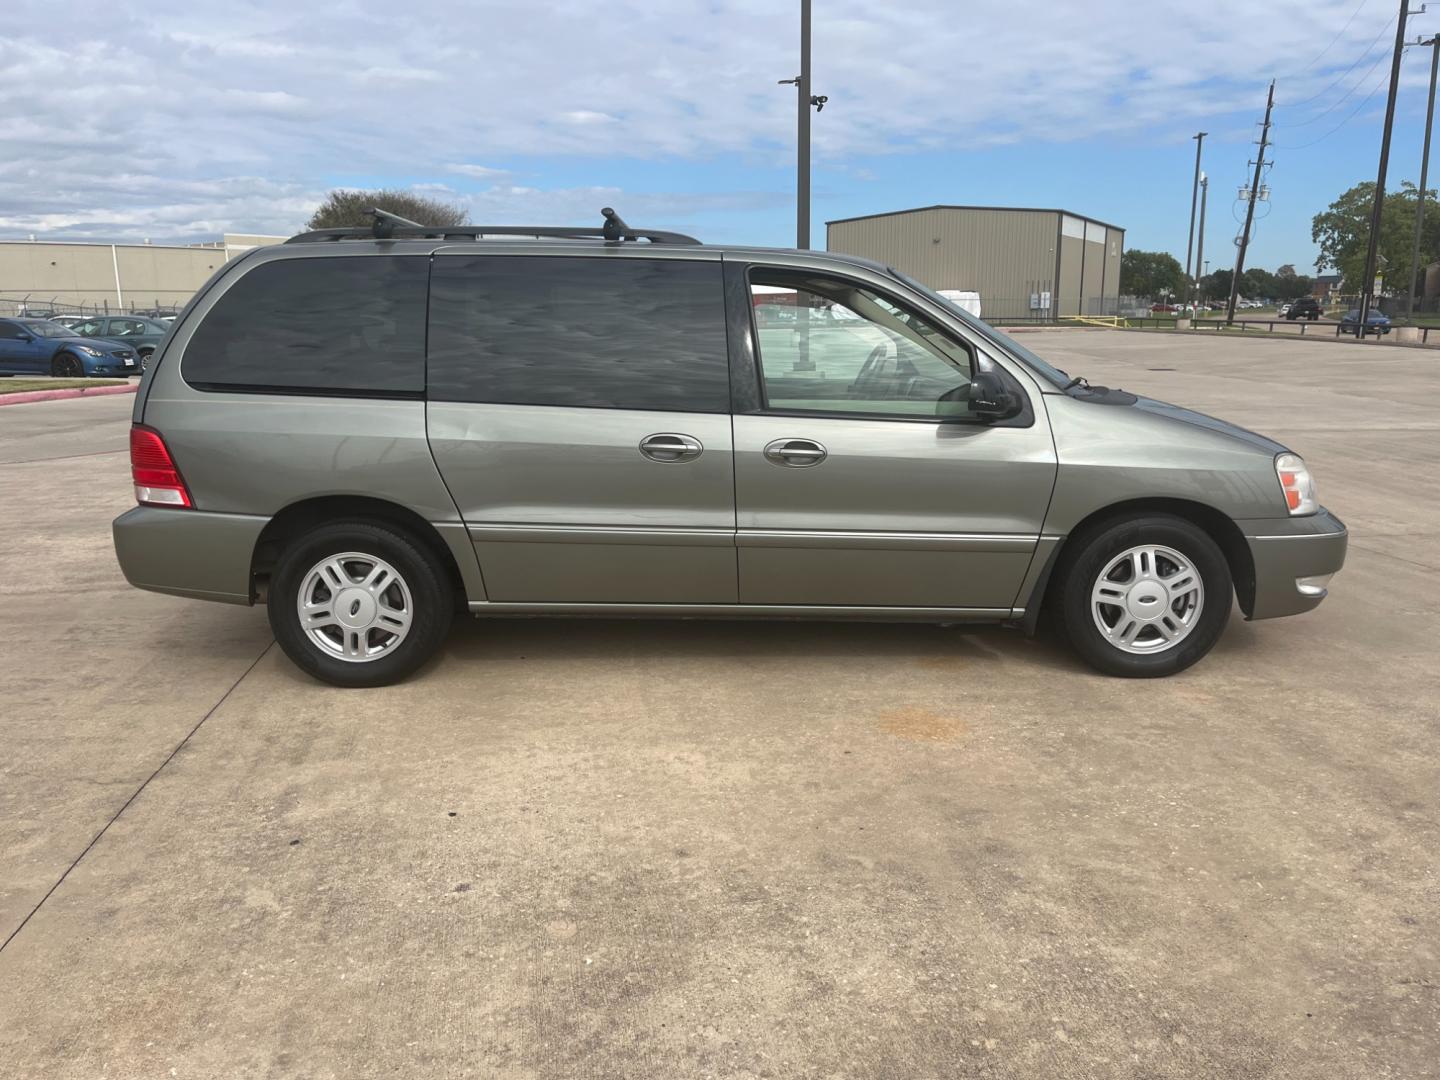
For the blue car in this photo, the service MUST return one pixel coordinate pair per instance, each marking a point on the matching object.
(1376, 322)
(42, 347)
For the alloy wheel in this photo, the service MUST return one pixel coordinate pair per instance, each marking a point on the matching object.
(355, 607)
(1147, 599)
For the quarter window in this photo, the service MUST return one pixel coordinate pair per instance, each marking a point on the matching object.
(339, 325)
(608, 332)
(834, 346)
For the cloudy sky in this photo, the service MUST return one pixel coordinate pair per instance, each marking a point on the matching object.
(178, 121)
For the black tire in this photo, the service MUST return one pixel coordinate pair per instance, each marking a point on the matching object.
(1081, 570)
(67, 366)
(431, 597)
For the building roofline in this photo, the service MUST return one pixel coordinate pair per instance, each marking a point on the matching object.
(959, 206)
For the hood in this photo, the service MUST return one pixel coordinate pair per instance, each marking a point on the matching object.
(1210, 423)
(103, 344)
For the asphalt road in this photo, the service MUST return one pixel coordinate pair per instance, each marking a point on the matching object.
(585, 849)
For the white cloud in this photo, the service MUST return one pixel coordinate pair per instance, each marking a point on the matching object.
(175, 114)
(479, 172)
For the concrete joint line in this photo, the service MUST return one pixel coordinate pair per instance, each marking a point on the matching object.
(135, 795)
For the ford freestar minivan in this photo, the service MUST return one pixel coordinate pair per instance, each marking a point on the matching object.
(369, 430)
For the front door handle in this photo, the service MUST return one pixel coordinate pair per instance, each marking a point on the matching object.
(668, 446)
(795, 453)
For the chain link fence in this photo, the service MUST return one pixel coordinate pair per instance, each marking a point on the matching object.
(41, 306)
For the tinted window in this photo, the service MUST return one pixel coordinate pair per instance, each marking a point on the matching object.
(339, 325)
(9, 331)
(613, 333)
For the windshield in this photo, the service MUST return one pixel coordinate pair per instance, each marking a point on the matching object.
(46, 328)
(1045, 370)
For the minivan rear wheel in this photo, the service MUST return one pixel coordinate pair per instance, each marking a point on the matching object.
(1146, 596)
(358, 603)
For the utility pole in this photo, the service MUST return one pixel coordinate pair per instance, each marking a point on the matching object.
(1200, 240)
(1367, 297)
(1434, 44)
(1250, 207)
(1194, 191)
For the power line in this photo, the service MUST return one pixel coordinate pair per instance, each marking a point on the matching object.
(1356, 112)
(1336, 38)
(1344, 74)
(1379, 58)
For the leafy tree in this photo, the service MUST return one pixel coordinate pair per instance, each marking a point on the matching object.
(347, 208)
(1151, 273)
(1257, 284)
(1343, 233)
(1216, 285)
(1291, 286)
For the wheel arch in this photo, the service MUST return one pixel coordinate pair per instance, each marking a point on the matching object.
(300, 517)
(1216, 524)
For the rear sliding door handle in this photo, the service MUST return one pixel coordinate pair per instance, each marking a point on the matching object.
(795, 453)
(668, 446)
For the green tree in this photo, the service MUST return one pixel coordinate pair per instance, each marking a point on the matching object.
(1343, 233)
(1151, 273)
(1290, 285)
(1216, 285)
(343, 209)
(1259, 284)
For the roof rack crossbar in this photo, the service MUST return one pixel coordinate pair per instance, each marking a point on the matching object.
(388, 226)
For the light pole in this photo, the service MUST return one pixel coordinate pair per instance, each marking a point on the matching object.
(1199, 138)
(1200, 244)
(804, 101)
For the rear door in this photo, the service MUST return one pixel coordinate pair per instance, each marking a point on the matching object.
(579, 411)
(861, 476)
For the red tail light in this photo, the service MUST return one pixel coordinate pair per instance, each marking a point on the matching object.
(157, 481)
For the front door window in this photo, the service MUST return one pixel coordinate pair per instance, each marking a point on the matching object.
(828, 345)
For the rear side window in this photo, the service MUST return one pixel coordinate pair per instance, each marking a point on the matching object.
(608, 333)
(351, 325)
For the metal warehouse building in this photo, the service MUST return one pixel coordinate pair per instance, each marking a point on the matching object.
(83, 277)
(1024, 263)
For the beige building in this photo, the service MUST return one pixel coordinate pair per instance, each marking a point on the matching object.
(59, 276)
(1024, 263)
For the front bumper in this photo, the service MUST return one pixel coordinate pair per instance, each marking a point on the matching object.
(1286, 550)
(188, 552)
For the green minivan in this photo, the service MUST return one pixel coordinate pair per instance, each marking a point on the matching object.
(372, 430)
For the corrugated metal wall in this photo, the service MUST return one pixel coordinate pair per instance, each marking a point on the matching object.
(1006, 256)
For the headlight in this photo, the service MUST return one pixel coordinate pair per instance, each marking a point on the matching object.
(88, 351)
(1296, 483)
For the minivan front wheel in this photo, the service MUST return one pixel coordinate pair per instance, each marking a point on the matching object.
(1145, 597)
(358, 604)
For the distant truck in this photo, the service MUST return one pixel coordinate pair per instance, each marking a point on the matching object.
(963, 298)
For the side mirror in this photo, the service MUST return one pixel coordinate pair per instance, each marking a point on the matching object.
(991, 398)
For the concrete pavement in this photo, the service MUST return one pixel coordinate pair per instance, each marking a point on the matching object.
(729, 849)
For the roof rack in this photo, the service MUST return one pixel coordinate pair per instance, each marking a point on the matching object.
(388, 226)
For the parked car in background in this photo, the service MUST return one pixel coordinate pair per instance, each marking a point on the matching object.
(372, 441)
(1164, 309)
(965, 299)
(142, 335)
(1307, 307)
(42, 347)
(69, 321)
(1376, 322)
(1281, 310)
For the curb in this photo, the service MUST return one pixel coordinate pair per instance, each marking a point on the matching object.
(28, 396)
